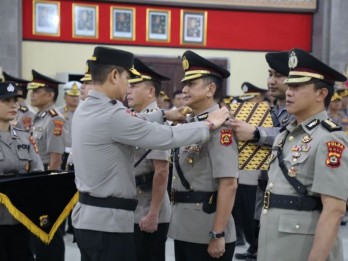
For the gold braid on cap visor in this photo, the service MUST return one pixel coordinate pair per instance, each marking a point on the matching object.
(307, 76)
(140, 79)
(35, 85)
(189, 75)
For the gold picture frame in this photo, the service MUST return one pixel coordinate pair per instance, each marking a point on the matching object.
(158, 25)
(46, 18)
(85, 21)
(193, 27)
(122, 23)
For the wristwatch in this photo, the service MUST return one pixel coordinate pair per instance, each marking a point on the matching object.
(256, 137)
(213, 235)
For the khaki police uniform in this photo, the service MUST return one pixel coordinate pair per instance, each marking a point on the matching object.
(202, 165)
(146, 167)
(48, 133)
(307, 150)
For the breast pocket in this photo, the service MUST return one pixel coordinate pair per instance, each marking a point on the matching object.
(299, 223)
(24, 159)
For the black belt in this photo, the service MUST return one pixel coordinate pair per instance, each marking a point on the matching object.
(306, 203)
(110, 202)
(144, 179)
(192, 197)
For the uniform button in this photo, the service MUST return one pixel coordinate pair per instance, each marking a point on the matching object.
(297, 226)
(291, 138)
(264, 211)
(270, 186)
(174, 177)
(294, 159)
(197, 204)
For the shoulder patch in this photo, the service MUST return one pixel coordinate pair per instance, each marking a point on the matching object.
(58, 127)
(23, 108)
(53, 112)
(331, 126)
(226, 137)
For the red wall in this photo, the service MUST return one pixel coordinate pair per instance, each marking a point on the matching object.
(226, 29)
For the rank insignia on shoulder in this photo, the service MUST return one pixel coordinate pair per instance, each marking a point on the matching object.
(312, 124)
(23, 108)
(203, 116)
(53, 112)
(334, 153)
(226, 137)
(150, 110)
(330, 125)
(58, 127)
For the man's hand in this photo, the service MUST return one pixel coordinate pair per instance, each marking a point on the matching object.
(216, 247)
(243, 131)
(218, 117)
(178, 115)
(149, 223)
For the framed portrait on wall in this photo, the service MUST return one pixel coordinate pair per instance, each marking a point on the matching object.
(46, 18)
(157, 25)
(85, 21)
(122, 23)
(193, 28)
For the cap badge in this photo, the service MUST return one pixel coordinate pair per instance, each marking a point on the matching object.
(74, 87)
(245, 88)
(293, 60)
(10, 88)
(185, 63)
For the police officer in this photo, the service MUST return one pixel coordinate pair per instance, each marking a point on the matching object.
(264, 136)
(25, 114)
(104, 134)
(205, 174)
(306, 195)
(87, 83)
(49, 135)
(18, 154)
(252, 93)
(152, 214)
(72, 99)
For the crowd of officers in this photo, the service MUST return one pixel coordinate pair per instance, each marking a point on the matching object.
(125, 157)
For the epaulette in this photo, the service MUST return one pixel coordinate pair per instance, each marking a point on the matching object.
(330, 125)
(150, 110)
(23, 108)
(53, 112)
(203, 116)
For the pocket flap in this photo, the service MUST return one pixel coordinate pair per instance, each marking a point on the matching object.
(301, 223)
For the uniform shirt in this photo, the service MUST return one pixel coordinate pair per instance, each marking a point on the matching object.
(280, 118)
(25, 117)
(68, 115)
(341, 120)
(103, 137)
(317, 157)
(202, 165)
(17, 155)
(146, 166)
(48, 133)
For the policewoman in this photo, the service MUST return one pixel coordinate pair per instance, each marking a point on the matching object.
(307, 191)
(205, 174)
(18, 155)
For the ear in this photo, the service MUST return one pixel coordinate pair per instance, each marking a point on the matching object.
(321, 94)
(211, 90)
(114, 75)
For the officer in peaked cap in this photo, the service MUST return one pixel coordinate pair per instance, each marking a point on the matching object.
(25, 114)
(86, 80)
(203, 191)
(72, 99)
(252, 93)
(152, 214)
(48, 132)
(18, 155)
(105, 135)
(307, 190)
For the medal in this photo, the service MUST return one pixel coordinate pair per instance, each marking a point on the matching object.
(189, 160)
(292, 172)
(306, 139)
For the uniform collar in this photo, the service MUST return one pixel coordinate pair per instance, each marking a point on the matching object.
(99, 95)
(151, 106)
(204, 114)
(309, 125)
(43, 113)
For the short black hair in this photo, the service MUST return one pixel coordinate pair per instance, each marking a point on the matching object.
(100, 72)
(318, 85)
(177, 92)
(54, 90)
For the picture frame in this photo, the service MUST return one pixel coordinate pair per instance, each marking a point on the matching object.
(85, 21)
(122, 23)
(158, 25)
(193, 29)
(46, 18)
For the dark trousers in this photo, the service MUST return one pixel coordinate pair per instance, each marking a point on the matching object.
(105, 246)
(14, 243)
(55, 251)
(186, 251)
(151, 246)
(243, 213)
